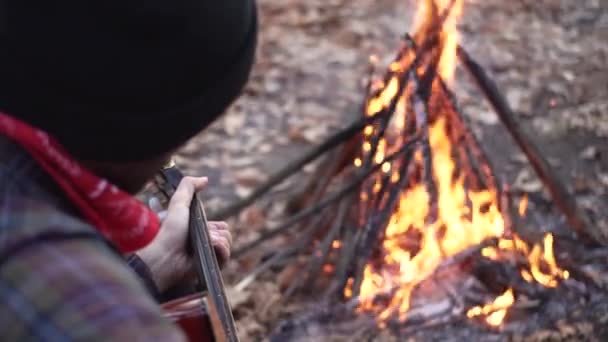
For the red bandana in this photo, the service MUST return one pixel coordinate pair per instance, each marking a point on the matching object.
(120, 217)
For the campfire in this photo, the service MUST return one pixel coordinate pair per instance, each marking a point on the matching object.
(439, 199)
(417, 230)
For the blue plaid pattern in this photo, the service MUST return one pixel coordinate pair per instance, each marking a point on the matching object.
(59, 279)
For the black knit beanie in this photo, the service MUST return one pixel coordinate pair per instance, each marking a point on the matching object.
(123, 80)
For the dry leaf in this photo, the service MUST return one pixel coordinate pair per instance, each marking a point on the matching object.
(527, 182)
(265, 148)
(289, 275)
(519, 158)
(310, 168)
(282, 140)
(590, 153)
(249, 327)
(272, 86)
(250, 177)
(242, 161)
(242, 192)
(234, 122)
(254, 217)
(603, 178)
(582, 184)
(295, 134)
(237, 297)
(314, 134)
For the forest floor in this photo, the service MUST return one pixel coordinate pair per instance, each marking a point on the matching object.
(549, 57)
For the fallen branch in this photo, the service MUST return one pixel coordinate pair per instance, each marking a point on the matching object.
(353, 185)
(334, 163)
(314, 268)
(293, 167)
(560, 195)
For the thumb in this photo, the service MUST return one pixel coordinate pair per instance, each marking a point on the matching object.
(185, 191)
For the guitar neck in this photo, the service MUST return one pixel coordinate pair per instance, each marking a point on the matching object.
(207, 265)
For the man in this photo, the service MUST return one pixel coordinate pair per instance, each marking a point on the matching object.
(94, 97)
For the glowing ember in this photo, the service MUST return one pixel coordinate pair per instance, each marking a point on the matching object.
(451, 218)
(348, 290)
(495, 312)
(327, 268)
(523, 206)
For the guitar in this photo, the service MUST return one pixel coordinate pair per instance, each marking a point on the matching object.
(199, 313)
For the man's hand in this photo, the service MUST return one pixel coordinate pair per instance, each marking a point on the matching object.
(166, 256)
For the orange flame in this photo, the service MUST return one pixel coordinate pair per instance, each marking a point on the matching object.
(523, 206)
(336, 244)
(441, 238)
(425, 17)
(496, 311)
(552, 273)
(463, 219)
(543, 267)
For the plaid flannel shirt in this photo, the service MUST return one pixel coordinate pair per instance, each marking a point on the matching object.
(59, 279)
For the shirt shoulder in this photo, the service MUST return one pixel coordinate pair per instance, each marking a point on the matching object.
(77, 290)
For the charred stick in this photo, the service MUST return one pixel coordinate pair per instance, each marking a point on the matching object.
(352, 186)
(406, 74)
(471, 140)
(316, 183)
(474, 179)
(403, 52)
(464, 255)
(564, 200)
(303, 241)
(337, 161)
(422, 113)
(375, 227)
(446, 319)
(461, 138)
(323, 178)
(293, 167)
(506, 207)
(380, 197)
(420, 99)
(344, 265)
(499, 276)
(326, 246)
(308, 277)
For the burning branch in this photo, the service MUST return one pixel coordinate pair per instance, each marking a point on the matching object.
(433, 209)
(361, 176)
(560, 195)
(295, 166)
